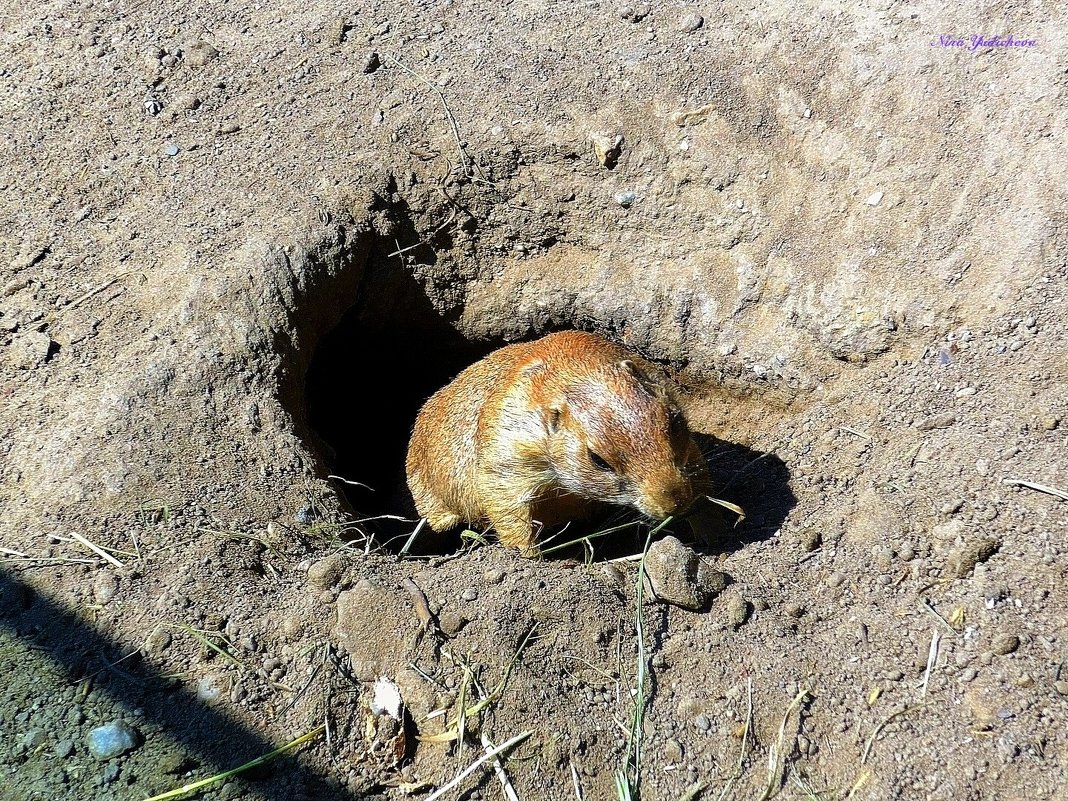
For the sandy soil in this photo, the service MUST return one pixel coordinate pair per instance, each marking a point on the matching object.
(242, 242)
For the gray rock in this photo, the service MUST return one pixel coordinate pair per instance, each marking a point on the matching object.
(29, 350)
(307, 513)
(625, 199)
(210, 689)
(811, 539)
(375, 625)
(113, 739)
(678, 575)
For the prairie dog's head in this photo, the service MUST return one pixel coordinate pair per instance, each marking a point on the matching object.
(617, 436)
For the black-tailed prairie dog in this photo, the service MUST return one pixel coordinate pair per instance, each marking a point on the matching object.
(540, 433)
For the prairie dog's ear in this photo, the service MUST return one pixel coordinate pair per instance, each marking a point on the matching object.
(532, 369)
(553, 415)
(652, 381)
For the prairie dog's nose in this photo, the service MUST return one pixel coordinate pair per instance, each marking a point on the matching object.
(669, 498)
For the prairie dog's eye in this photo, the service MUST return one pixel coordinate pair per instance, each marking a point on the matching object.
(598, 462)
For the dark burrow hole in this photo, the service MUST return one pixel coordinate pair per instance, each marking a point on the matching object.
(372, 372)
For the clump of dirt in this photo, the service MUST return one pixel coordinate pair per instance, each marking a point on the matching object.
(243, 248)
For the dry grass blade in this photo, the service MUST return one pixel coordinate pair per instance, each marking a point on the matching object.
(932, 658)
(219, 777)
(490, 754)
(498, 768)
(694, 790)
(411, 539)
(746, 728)
(456, 730)
(448, 113)
(96, 549)
(586, 538)
(886, 721)
(728, 505)
(775, 753)
(1019, 482)
(575, 782)
(926, 607)
(202, 638)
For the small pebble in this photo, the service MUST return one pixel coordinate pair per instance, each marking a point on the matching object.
(943, 420)
(672, 751)
(702, 723)
(951, 507)
(493, 576)
(835, 580)
(635, 13)
(64, 748)
(371, 62)
(811, 539)
(170, 149)
(470, 594)
(1061, 686)
(607, 148)
(32, 739)
(326, 572)
(969, 674)
(625, 199)
(28, 350)
(794, 610)
(689, 23)
(113, 739)
(737, 611)
(105, 586)
(1004, 643)
(307, 513)
(209, 689)
(199, 53)
(874, 199)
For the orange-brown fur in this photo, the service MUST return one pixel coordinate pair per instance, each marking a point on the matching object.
(514, 440)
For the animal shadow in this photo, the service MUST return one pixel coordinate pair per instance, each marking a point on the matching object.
(757, 481)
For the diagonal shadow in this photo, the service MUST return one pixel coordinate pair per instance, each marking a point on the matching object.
(216, 741)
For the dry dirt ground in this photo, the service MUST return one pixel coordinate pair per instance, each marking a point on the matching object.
(242, 241)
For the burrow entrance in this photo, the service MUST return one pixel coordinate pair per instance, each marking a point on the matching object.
(396, 345)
